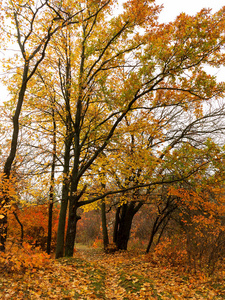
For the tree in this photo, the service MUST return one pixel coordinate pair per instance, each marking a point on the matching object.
(33, 27)
(110, 86)
(119, 67)
(130, 83)
(152, 149)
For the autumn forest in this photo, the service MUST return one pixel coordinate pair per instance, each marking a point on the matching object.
(112, 155)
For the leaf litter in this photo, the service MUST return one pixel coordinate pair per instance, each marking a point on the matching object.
(91, 274)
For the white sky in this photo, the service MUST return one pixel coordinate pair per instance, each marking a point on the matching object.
(172, 8)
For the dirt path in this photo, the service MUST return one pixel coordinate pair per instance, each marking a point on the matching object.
(92, 274)
(131, 275)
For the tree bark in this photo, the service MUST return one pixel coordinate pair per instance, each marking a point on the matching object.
(66, 90)
(3, 232)
(52, 184)
(64, 202)
(72, 228)
(11, 156)
(123, 223)
(21, 227)
(116, 225)
(124, 232)
(62, 219)
(155, 228)
(49, 238)
(104, 225)
(163, 217)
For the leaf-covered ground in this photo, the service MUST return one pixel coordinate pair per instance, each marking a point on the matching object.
(92, 274)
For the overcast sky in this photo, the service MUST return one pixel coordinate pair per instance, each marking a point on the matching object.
(172, 8)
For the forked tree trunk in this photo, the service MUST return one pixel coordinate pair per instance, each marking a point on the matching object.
(161, 221)
(123, 224)
(123, 234)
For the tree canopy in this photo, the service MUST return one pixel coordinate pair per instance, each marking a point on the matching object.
(110, 106)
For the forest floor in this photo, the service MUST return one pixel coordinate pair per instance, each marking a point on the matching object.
(91, 274)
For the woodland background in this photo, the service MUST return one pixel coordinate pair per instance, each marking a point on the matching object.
(113, 137)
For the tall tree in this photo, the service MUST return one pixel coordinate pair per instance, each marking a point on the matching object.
(116, 79)
(33, 25)
(118, 67)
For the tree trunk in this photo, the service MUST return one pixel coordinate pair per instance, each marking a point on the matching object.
(65, 193)
(124, 232)
(116, 225)
(123, 223)
(3, 232)
(153, 232)
(21, 227)
(72, 227)
(52, 185)
(49, 238)
(62, 221)
(104, 226)
(11, 156)
(163, 217)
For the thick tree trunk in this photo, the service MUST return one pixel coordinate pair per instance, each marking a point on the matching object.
(64, 202)
(123, 224)
(71, 228)
(116, 225)
(63, 208)
(62, 221)
(124, 232)
(104, 225)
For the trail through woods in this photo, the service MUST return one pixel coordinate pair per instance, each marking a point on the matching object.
(91, 274)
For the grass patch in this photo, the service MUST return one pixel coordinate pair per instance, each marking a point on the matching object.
(131, 283)
(97, 277)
